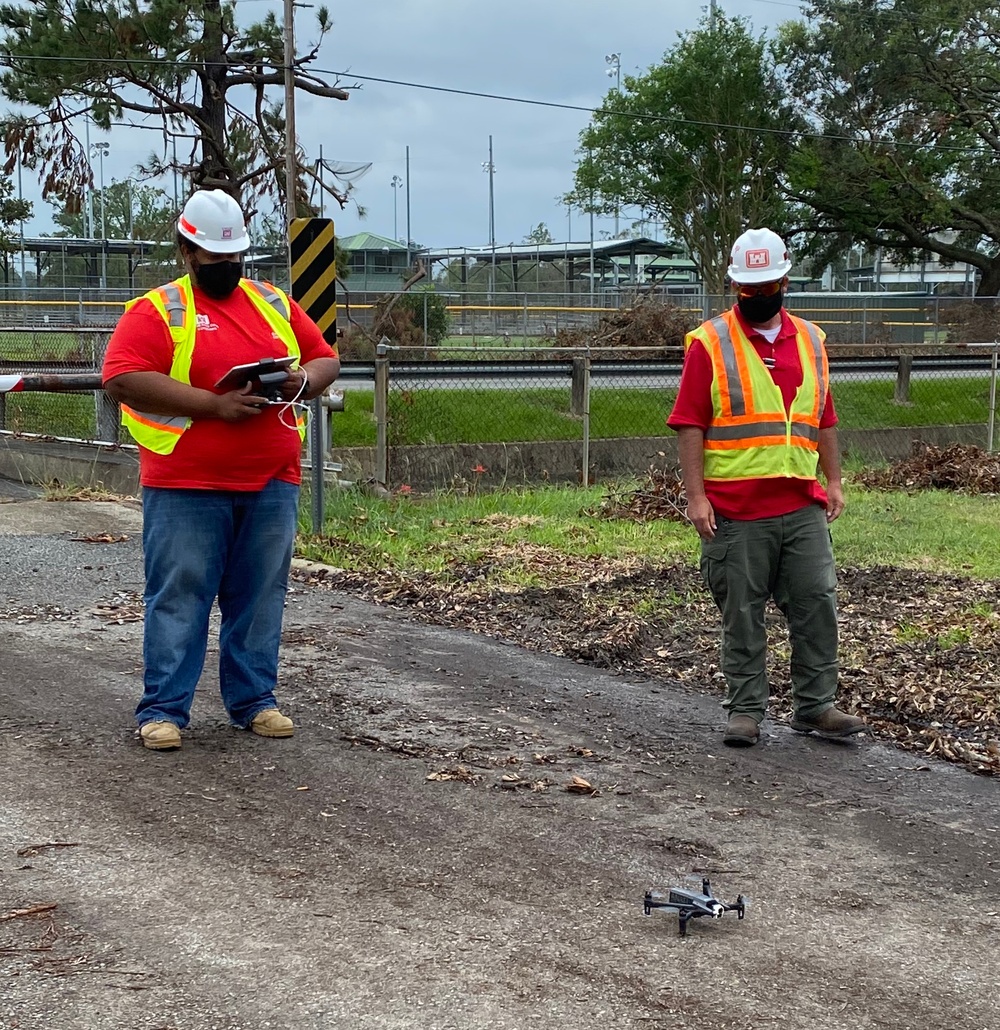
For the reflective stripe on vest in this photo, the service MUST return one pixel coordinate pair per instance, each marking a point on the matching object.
(175, 304)
(751, 436)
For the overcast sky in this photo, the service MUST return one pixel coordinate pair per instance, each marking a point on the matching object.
(542, 50)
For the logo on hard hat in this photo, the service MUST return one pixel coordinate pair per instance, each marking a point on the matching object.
(757, 258)
(227, 234)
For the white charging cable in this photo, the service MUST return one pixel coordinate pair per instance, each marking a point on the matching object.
(296, 403)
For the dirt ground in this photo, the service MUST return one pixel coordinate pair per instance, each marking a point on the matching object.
(460, 834)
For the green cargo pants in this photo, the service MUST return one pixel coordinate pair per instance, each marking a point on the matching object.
(789, 558)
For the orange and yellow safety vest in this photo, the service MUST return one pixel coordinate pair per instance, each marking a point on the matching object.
(751, 435)
(175, 303)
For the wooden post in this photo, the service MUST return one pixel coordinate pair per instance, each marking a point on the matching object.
(901, 395)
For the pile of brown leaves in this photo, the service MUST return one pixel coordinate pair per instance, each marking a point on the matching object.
(962, 467)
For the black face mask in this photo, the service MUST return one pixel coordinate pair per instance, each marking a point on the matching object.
(758, 310)
(219, 278)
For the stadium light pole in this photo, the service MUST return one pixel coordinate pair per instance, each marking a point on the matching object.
(490, 168)
(101, 149)
(396, 183)
(614, 71)
(409, 236)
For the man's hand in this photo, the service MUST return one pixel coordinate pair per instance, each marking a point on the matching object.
(238, 405)
(702, 515)
(295, 387)
(834, 500)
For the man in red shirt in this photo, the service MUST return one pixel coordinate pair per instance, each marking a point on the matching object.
(755, 418)
(219, 468)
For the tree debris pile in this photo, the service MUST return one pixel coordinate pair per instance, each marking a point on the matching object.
(969, 322)
(649, 324)
(918, 651)
(660, 497)
(960, 467)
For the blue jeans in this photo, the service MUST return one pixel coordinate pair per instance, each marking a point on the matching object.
(203, 544)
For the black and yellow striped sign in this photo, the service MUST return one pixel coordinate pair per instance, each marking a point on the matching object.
(314, 272)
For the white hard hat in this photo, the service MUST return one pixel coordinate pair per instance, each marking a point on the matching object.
(759, 256)
(213, 220)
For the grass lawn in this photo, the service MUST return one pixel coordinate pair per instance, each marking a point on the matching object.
(484, 415)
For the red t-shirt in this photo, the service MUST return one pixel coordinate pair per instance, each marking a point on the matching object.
(751, 498)
(213, 454)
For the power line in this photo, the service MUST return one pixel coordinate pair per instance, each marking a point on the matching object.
(532, 102)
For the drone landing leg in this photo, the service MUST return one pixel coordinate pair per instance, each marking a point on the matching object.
(682, 920)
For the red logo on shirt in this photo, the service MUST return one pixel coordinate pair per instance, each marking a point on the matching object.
(757, 258)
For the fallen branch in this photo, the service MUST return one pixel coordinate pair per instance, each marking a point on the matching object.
(33, 910)
(34, 849)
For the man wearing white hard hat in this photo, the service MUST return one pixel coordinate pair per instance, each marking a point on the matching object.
(219, 468)
(755, 422)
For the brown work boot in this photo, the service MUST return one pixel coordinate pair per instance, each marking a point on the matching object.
(271, 723)
(832, 723)
(741, 731)
(160, 736)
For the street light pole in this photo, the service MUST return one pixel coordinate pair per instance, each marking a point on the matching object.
(100, 149)
(395, 184)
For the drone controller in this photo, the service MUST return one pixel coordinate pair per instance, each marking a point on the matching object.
(264, 376)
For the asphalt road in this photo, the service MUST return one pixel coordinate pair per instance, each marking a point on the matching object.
(459, 835)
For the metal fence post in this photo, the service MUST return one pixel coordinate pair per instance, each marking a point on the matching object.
(318, 505)
(381, 405)
(991, 425)
(107, 414)
(585, 458)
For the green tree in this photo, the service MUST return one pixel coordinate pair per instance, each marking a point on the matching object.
(121, 211)
(185, 64)
(699, 143)
(909, 134)
(13, 212)
(539, 234)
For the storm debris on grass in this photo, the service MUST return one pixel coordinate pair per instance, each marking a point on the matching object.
(960, 467)
(660, 497)
(648, 324)
(918, 651)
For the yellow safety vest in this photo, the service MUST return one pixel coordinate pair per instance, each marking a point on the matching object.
(175, 303)
(751, 436)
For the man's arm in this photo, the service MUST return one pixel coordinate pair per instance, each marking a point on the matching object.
(159, 394)
(691, 452)
(829, 462)
(321, 372)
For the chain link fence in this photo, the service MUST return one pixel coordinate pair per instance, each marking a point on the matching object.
(468, 412)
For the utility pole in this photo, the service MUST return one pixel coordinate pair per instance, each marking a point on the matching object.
(290, 209)
(711, 16)
(316, 404)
